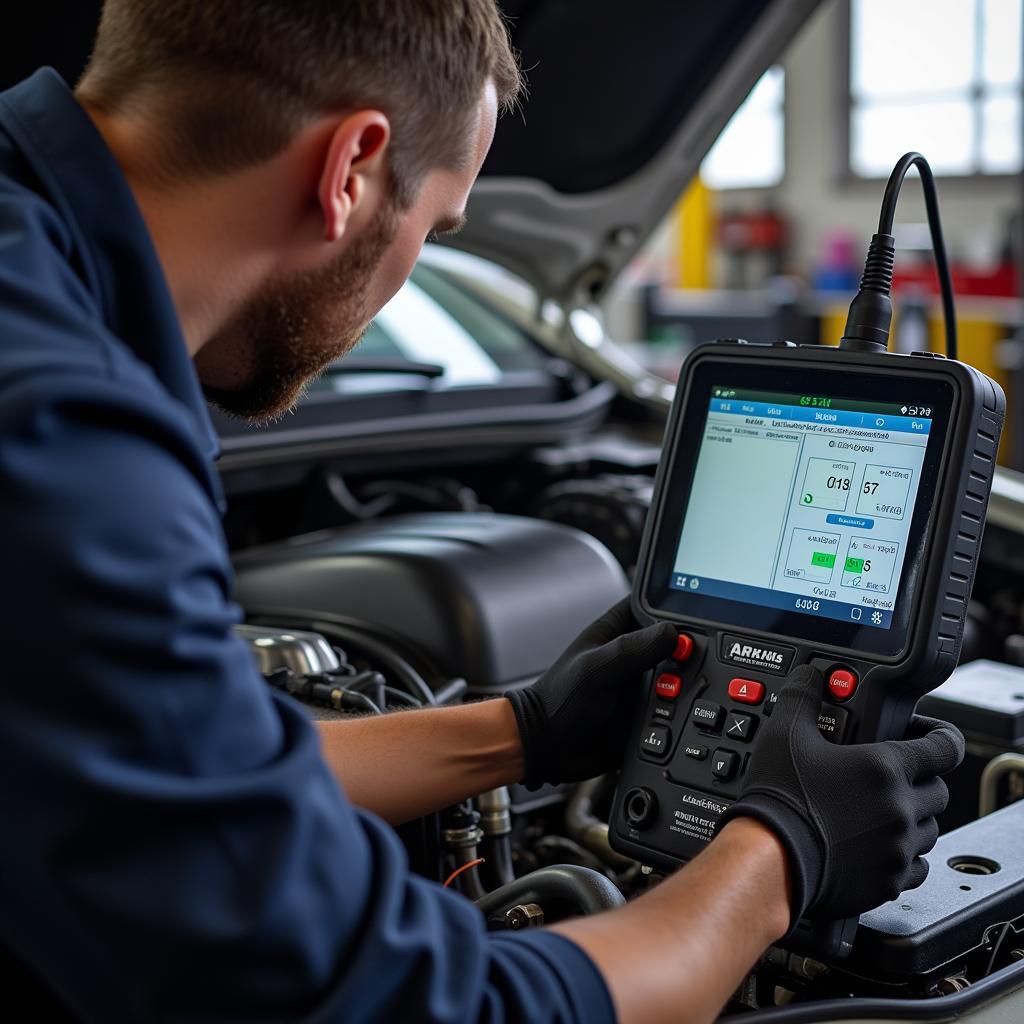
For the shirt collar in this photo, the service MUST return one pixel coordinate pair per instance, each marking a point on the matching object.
(121, 266)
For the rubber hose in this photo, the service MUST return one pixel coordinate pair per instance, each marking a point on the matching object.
(587, 829)
(585, 890)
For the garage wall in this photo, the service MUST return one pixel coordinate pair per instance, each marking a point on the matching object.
(815, 197)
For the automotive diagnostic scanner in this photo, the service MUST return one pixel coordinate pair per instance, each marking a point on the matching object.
(813, 505)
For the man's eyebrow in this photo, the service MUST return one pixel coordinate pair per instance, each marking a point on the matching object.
(449, 225)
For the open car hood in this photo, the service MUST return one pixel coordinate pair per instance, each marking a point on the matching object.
(624, 102)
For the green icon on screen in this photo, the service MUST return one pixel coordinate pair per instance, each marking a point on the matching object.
(854, 564)
(823, 559)
(808, 499)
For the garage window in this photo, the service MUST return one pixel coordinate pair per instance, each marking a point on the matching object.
(750, 152)
(939, 76)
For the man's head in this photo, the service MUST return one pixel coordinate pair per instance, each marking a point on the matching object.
(348, 130)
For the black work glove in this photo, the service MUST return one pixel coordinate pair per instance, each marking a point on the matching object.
(574, 719)
(854, 820)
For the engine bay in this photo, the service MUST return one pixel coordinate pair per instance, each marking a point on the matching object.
(366, 595)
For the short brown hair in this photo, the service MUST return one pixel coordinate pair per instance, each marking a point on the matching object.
(234, 80)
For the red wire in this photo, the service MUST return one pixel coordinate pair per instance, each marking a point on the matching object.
(465, 867)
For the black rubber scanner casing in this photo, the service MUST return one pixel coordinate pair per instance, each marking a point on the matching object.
(889, 687)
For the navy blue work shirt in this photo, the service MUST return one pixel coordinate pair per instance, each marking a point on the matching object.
(174, 847)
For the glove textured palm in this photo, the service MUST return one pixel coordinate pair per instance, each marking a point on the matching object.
(855, 820)
(573, 721)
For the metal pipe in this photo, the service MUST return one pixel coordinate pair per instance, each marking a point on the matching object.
(995, 771)
(495, 808)
(460, 836)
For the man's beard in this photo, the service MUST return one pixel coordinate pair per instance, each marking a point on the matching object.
(291, 331)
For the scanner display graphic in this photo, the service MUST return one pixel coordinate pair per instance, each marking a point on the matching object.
(803, 508)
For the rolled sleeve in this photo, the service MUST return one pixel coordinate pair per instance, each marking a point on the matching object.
(556, 972)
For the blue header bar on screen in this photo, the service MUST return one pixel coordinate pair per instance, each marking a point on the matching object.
(826, 417)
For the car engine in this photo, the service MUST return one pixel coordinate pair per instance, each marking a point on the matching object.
(371, 596)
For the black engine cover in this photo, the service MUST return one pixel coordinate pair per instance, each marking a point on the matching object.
(491, 598)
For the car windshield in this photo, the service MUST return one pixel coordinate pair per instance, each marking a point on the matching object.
(437, 323)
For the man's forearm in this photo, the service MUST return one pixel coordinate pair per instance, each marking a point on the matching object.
(678, 952)
(410, 763)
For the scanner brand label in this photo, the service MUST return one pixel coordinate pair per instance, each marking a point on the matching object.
(738, 650)
(697, 817)
(703, 803)
(748, 653)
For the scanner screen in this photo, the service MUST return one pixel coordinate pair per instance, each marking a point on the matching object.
(803, 503)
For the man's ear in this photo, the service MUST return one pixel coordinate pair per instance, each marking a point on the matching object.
(354, 160)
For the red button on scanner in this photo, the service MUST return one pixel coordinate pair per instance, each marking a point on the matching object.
(684, 647)
(668, 686)
(746, 691)
(842, 683)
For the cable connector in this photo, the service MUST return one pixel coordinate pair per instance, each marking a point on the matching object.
(870, 317)
(867, 327)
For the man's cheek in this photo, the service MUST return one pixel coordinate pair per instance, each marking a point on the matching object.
(394, 271)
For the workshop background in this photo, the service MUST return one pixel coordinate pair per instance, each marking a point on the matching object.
(770, 241)
(420, 530)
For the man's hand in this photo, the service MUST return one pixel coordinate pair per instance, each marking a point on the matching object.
(574, 719)
(854, 820)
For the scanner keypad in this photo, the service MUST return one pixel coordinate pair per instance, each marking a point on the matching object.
(735, 718)
(740, 727)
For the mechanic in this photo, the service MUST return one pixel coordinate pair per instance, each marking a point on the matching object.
(229, 196)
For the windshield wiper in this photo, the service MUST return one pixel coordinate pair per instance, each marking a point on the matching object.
(397, 365)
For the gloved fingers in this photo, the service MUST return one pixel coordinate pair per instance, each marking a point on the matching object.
(643, 648)
(931, 798)
(927, 836)
(921, 725)
(934, 748)
(617, 620)
(915, 876)
(801, 697)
